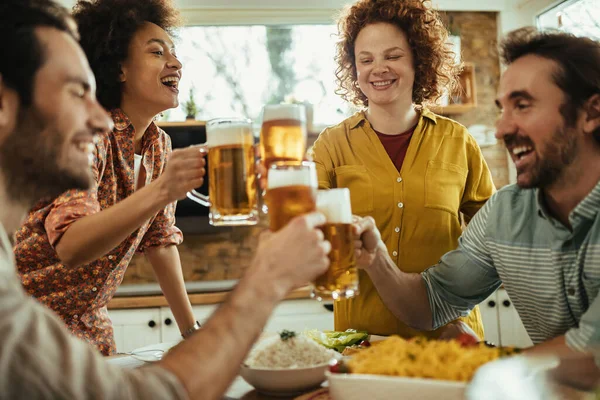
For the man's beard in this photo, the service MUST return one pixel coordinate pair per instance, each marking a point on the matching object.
(30, 162)
(559, 152)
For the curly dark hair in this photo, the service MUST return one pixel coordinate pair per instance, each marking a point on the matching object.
(435, 67)
(106, 28)
(18, 21)
(577, 58)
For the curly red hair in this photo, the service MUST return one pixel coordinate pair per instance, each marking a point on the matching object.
(434, 63)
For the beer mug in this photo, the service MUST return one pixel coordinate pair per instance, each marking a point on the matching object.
(341, 279)
(283, 134)
(291, 191)
(232, 191)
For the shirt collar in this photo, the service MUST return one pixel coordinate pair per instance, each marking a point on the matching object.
(123, 124)
(360, 117)
(587, 208)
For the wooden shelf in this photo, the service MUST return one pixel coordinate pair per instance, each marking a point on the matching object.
(193, 122)
(467, 94)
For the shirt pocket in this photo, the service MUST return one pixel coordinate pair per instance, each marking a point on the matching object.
(444, 186)
(357, 179)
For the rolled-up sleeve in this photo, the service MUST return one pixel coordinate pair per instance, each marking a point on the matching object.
(68, 208)
(586, 336)
(162, 231)
(75, 204)
(39, 359)
(464, 277)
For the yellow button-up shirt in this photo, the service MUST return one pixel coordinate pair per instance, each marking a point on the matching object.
(417, 209)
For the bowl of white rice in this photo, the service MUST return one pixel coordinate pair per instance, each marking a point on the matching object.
(286, 364)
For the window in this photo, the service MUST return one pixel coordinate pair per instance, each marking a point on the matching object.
(235, 70)
(580, 17)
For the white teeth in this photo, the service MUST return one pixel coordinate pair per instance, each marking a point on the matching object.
(170, 79)
(382, 83)
(517, 151)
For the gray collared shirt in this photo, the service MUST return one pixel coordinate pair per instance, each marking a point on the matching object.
(551, 274)
(39, 359)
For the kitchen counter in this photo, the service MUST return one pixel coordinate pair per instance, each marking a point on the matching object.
(148, 301)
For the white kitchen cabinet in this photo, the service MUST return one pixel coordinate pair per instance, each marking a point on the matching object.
(169, 329)
(501, 322)
(136, 328)
(298, 315)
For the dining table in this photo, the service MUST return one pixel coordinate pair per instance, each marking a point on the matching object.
(241, 390)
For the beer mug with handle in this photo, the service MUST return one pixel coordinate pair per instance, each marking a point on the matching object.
(283, 134)
(232, 190)
(341, 279)
(291, 191)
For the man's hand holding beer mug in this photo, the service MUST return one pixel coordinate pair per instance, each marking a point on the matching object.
(367, 241)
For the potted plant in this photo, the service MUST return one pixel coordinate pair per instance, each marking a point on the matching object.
(190, 107)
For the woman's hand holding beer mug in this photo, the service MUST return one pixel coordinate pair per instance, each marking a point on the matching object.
(184, 172)
(367, 241)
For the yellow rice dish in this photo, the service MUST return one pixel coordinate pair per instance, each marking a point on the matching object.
(421, 358)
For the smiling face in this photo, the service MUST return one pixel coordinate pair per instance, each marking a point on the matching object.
(150, 75)
(539, 141)
(384, 64)
(50, 148)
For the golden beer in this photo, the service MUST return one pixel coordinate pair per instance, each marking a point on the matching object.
(291, 191)
(341, 279)
(288, 202)
(232, 182)
(283, 133)
(231, 173)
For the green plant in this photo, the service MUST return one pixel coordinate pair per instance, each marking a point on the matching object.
(190, 106)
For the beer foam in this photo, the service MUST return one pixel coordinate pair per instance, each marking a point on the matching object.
(284, 111)
(291, 177)
(229, 134)
(335, 205)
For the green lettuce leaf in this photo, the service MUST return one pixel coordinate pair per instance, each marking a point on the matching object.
(336, 340)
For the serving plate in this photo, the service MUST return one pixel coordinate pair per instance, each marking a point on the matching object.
(379, 387)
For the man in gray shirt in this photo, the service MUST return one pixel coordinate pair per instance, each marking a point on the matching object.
(48, 118)
(539, 238)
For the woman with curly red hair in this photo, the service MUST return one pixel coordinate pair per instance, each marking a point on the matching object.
(72, 251)
(413, 171)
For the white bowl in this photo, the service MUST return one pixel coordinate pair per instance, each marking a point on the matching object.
(379, 387)
(284, 382)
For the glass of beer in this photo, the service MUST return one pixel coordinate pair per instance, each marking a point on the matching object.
(341, 279)
(291, 191)
(283, 134)
(232, 190)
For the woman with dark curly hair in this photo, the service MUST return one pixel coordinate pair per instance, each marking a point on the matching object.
(413, 171)
(72, 251)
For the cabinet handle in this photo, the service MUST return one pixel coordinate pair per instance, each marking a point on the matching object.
(328, 307)
(151, 324)
(491, 303)
(168, 321)
(506, 303)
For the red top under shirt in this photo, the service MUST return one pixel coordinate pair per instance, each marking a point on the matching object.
(396, 145)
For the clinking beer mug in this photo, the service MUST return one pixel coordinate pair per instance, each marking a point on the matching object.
(341, 279)
(232, 198)
(291, 191)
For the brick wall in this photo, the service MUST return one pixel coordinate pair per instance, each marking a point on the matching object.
(226, 255)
